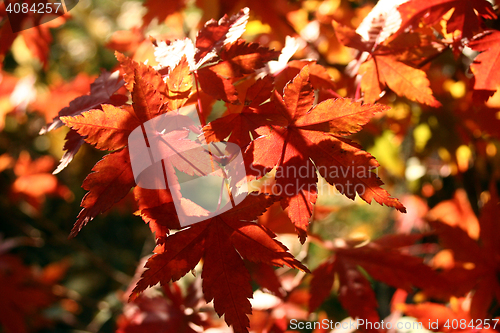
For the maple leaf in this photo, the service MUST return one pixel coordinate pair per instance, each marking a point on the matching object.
(487, 63)
(72, 145)
(109, 129)
(484, 256)
(384, 261)
(466, 15)
(214, 35)
(351, 38)
(34, 182)
(102, 91)
(237, 60)
(106, 129)
(385, 70)
(217, 41)
(112, 127)
(307, 135)
(381, 22)
(384, 59)
(221, 241)
(110, 181)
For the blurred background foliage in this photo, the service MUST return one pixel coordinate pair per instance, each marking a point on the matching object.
(425, 154)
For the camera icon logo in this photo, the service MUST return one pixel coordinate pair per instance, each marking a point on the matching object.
(204, 179)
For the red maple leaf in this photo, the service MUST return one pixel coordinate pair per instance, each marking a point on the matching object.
(487, 63)
(390, 63)
(221, 241)
(109, 129)
(302, 134)
(384, 261)
(278, 127)
(484, 255)
(102, 90)
(467, 15)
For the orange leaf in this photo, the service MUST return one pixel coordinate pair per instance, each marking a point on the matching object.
(404, 80)
(110, 181)
(107, 129)
(487, 63)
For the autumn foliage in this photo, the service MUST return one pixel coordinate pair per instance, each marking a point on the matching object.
(413, 81)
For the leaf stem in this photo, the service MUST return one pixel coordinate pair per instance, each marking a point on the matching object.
(199, 109)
